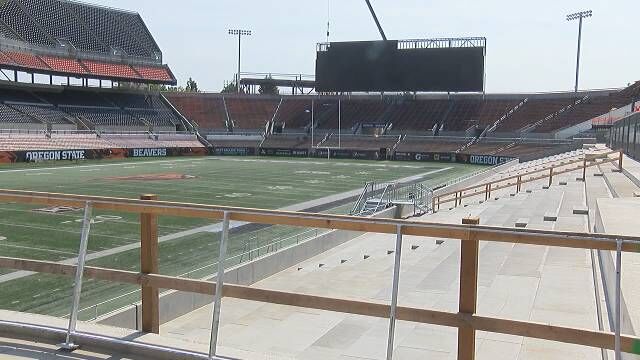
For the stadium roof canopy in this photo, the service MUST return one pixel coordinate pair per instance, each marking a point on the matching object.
(68, 38)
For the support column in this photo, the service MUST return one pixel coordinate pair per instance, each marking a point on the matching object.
(468, 290)
(149, 265)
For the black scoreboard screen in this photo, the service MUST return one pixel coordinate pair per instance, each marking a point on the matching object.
(374, 66)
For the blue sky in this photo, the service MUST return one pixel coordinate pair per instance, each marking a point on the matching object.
(530, 45)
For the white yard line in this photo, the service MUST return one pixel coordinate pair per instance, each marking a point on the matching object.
(216, 227)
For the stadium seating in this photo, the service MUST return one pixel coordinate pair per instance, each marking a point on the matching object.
(431, 144)
(536, 109)
(153, 73)
(64, 141)
(110, 69)
(418, 115)
(354, 113)
(582, 112)
(103, 117)
(22, 142)
(28, 60)
(9, 115)
(469, 112)
(6, 60)
(207, 111)
(157, 118)
(64, 65)
(251, 113)
(295, 113)
(46, 113)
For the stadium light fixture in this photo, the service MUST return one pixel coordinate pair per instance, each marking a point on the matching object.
(239, 33)
(579, 16)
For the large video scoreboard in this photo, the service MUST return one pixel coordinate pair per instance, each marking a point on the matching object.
(439, 65)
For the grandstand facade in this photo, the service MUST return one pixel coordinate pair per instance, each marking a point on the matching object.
(73, 39)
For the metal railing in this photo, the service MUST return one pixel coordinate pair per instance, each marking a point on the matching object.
(248, 254)
(466, 320)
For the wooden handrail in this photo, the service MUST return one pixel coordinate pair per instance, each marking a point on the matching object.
(598, 339)
(328, 221)
(469, 233)
(548, 172)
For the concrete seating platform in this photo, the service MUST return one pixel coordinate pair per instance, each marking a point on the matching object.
(516, 281)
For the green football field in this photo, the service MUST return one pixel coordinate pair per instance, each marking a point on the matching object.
(188, 247)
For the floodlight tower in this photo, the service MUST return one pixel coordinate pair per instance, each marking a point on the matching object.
(240, 33)
(579, 16)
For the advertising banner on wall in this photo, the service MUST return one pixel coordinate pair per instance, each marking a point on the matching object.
(284, 152)
(233, 151)
(453, 157)
(346, 154)
(425, 156)
(95, 154)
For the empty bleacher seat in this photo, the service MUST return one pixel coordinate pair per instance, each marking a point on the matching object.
(46, 113)
(110, 69)
(65, 65)
(9, 115)
(154, 73)
(27, 60)
(251, 112)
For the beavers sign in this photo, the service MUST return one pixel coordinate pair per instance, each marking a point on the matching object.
(148, 153)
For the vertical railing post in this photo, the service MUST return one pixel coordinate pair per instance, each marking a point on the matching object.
(394, 292)
(584, 170)
(489, 197)
(550, 177)
(224, 238)
(620, 160)
(469, 248)
(149, 265)
(618, 300)
(77, 288)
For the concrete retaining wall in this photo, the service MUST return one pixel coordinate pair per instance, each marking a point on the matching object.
(174, 304)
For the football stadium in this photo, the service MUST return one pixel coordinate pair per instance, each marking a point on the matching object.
(386, 207)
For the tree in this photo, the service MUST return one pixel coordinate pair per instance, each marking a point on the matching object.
(192, 86)
(268, 88)
(230, 88)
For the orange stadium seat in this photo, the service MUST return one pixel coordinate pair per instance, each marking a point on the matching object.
(110, 69)
(64, 65)
(154, 73)
(27, 60)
